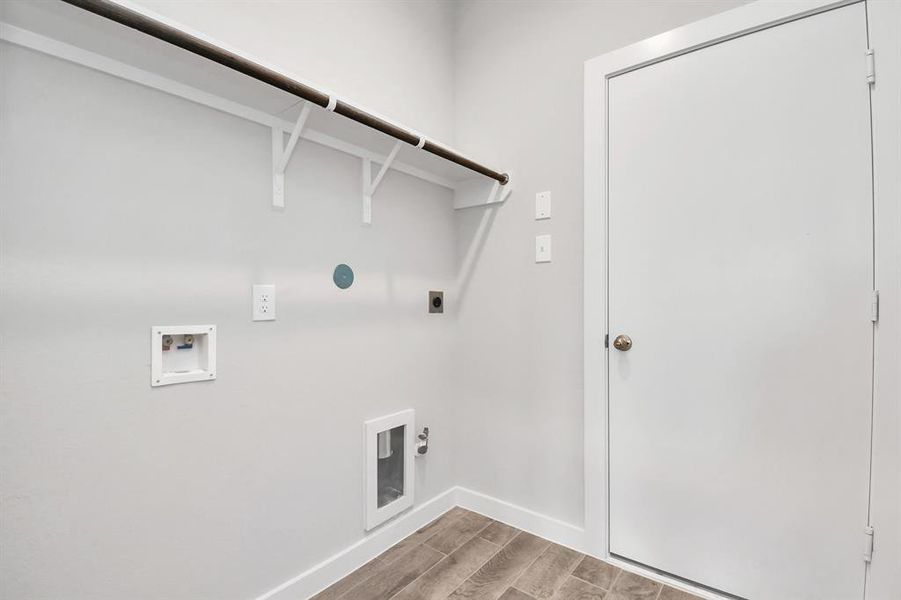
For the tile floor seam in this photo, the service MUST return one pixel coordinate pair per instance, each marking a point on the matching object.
(344, 594)
(518, 531)
(468, 577)
(469, 539)
(480, 531)
(379, 571)
(576, 566)
(388, 563)
(446, 556)
(529, 566)
(387, 573)
(570, 574)
(613, 581)
(582, 579)
(522, 592)
(421, 575)
(485, 563)
(425, 542)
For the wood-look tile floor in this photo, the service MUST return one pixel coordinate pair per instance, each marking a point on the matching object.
(465, 556)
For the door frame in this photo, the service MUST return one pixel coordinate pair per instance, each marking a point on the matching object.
(883, 575)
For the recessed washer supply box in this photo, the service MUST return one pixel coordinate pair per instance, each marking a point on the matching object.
(182, 353)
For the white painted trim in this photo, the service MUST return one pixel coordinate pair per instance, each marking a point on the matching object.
(375, 516)
(385, 165)
(887, 140)
(320, 576)
(712, 30)
(371, 185)
(884, 572)
(561, 533)
(288, 150)
(98, 62)
(534, 522)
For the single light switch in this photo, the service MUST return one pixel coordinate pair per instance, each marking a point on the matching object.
(542, 205)
(264, 303)
(543, 248)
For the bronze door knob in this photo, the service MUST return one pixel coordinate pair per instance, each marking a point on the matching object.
(622, 343)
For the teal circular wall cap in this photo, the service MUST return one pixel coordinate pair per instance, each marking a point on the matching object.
(343, 277)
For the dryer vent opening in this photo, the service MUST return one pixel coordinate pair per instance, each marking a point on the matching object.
(389, 449)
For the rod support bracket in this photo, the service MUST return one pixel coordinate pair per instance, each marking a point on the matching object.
(281, 154)
(370, 184)
(481, 192)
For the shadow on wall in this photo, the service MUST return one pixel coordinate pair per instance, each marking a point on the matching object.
(475, 226)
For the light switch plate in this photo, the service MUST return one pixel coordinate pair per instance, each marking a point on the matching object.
(542, 205)
(264, 302)
(543, 248)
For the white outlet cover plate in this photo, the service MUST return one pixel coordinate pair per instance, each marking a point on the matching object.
(264, 302)
(543, 248)
(542, 205)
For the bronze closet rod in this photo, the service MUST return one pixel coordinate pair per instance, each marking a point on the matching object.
(161, 31)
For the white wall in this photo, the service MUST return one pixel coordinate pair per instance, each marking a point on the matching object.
(394, 57)
(519, 103)
(225, 490)
(124, 208)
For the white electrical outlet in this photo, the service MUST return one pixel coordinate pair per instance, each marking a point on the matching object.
(264, 302)
(542, 205)
(543, 248)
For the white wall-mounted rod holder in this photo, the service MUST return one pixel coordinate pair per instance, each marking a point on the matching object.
(497, 195)
(281, 155)
(370, 184)
(481, 192)
(134, 18)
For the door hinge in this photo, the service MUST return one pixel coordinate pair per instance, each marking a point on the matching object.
(868, 544)
(874, 307)
(871, 66)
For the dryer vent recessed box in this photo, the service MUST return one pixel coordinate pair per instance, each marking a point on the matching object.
(182, 353)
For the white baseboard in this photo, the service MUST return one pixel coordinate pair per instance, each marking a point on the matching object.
(320, 576)
(564, 534)
(536, 523)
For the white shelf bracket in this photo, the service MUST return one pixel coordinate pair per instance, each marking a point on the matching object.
(370, 184)
(481, 192)
(281, 155)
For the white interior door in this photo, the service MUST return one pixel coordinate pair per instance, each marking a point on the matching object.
(741, 266)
